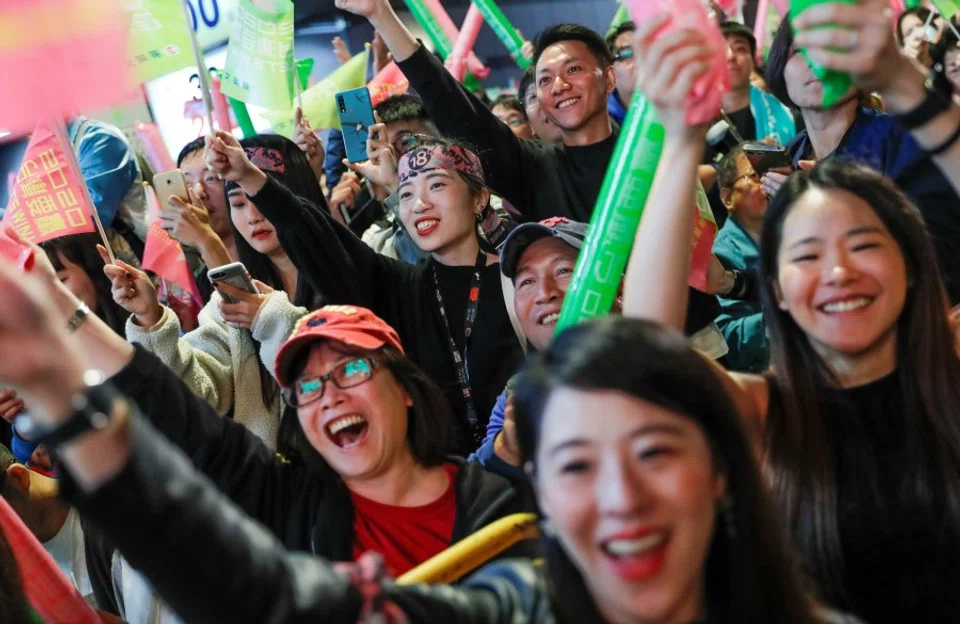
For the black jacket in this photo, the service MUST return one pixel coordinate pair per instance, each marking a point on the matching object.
(305, 511)
(338, 264)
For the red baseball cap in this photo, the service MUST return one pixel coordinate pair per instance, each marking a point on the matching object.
(350, 325)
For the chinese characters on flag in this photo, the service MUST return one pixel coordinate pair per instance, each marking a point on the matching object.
(388, 83)
(48, 199)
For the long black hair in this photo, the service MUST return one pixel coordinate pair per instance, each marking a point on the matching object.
(81, 250)
(431, 432)
(928, 366)
(298, 176)
(748, 579)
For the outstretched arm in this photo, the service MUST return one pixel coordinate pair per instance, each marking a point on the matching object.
(667, 67)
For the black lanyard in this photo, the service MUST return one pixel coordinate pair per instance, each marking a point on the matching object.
(460, 360)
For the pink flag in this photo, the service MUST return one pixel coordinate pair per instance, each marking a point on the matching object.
(703, 104)
(701, 249)
(58, 57)
(388, 83)
(49, 592)
(49, 198)
(164, 255)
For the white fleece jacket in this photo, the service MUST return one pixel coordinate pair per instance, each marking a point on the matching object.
(219, 363)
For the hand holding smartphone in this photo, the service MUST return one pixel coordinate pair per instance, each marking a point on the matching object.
(763, 157)
(170, 184)
(235, 275)
(356, 116)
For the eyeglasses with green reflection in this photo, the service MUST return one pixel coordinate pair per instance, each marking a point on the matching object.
(345, 375)
(623, 54)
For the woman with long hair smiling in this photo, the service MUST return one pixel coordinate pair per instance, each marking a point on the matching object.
(653, 507)
(449, 310)
(857, 419)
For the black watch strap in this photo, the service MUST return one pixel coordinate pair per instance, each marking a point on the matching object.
(91, 411)
(932, 105)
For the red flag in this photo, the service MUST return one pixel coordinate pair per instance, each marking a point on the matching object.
(701, 248)
(164, 255)
(49, 198)
(59, 57)
(49, 592)
(388, 83)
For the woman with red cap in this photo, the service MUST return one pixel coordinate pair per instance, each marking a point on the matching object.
(449, 311)
(374, 435)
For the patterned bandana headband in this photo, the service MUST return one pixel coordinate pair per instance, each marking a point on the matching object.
(266, 159)
(428, 158)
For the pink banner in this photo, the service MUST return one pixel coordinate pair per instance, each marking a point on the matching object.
(59, 57)
(703, 104)
(472, 23)
(49, 199)
(474, 66)
(49, 592)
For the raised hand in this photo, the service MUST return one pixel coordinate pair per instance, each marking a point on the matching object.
(340, 50)
(344, 194)
(241, 314)
(668, 65)
(862, 45)
(381, 168)
(309, 143)
(364, 8)
(47, 370)
(188, 223)
(133, 291)
(10, 404)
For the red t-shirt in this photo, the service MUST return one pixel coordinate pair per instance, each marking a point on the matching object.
(405, 536)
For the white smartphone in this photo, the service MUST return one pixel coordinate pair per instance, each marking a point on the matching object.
(234, 274)
(170, 184)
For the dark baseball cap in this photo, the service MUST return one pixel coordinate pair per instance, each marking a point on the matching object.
(736, 29)
(571, 232)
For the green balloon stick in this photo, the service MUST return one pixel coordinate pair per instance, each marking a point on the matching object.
(243, 118)
(431, 26)
(503, 29)
(616, 216)
(835, 84)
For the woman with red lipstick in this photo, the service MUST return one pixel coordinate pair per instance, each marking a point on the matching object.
(222, 359)
(653, 507)
(449, 311)
(858, 418)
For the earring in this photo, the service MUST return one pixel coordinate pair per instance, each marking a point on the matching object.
(729, 519)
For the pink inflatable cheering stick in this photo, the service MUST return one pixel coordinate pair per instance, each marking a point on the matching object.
(703, 104)
(474, 66)
(472, 23)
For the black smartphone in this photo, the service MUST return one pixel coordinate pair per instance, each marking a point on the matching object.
(764, 157)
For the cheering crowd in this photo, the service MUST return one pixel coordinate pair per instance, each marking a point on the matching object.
(782, 446)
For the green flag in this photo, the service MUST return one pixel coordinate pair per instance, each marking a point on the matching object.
(947, 8)
(159, 41)
(319, 105)
(622, 15)
(259, 68)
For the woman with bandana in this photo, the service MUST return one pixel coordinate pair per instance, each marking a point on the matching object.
(449, 310)
(221, 360)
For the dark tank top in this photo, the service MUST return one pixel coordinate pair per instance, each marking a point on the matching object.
(901, 557)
